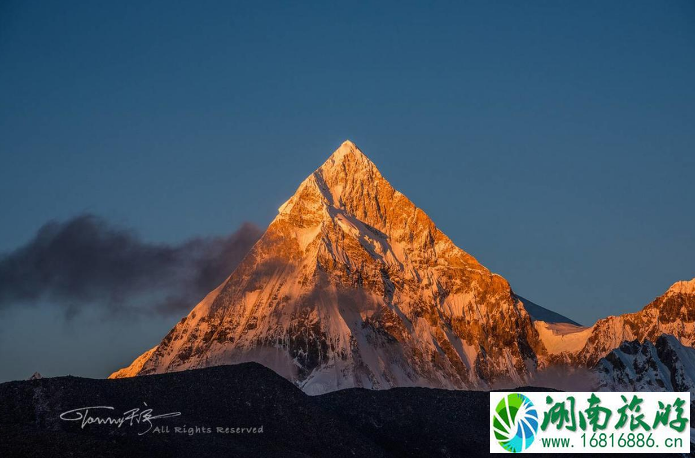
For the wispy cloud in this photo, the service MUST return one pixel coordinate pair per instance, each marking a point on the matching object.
(88, 262)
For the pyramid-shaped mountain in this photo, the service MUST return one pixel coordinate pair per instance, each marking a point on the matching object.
(352, 285)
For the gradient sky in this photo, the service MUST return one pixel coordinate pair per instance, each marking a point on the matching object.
(554, 141)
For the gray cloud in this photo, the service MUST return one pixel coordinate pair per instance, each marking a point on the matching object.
(87, 262)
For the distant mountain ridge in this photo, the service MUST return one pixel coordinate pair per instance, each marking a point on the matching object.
(672, 313)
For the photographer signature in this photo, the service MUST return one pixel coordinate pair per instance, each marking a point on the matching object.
(130, 417)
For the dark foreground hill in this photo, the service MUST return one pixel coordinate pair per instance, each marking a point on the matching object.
(402, 422)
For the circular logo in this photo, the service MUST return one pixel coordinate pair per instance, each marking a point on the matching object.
(515, 422)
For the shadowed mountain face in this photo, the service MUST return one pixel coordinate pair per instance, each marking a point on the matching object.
(539, 313)
(402, 422)
(665, 365)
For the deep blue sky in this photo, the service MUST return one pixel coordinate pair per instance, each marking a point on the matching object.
(554, 141)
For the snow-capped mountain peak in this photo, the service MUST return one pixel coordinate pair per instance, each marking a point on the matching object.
(346, 172)
(347, 155)
(353, 285)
